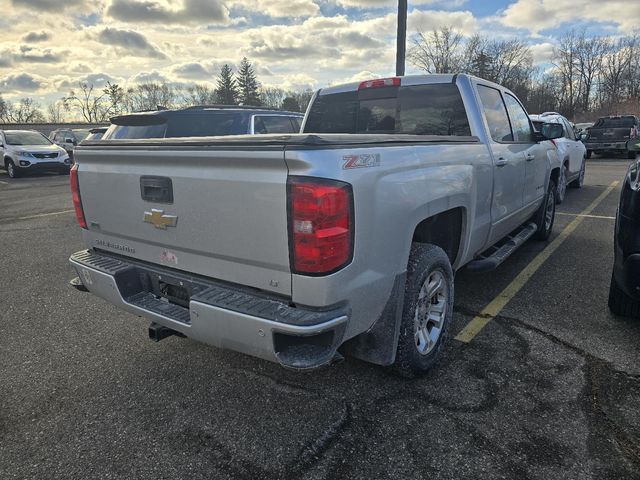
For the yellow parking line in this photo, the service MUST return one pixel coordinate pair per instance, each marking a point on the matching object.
(45, 214)
(497, 304)
(586, 216)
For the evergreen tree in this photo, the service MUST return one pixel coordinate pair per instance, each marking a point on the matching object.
(248, 86)
(227, 88)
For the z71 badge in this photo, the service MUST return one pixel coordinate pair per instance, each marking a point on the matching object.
(364, 160)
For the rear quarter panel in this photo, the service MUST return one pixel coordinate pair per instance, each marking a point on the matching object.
(409, 184)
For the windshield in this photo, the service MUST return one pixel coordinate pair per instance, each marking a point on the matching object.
(619, 122)
(26, 138)
(80, 134)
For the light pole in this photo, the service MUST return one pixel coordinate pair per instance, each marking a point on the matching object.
(401, 48)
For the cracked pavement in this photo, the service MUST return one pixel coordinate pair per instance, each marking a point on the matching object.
(549, 389)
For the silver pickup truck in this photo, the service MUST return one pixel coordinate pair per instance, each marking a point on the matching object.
(343, 239)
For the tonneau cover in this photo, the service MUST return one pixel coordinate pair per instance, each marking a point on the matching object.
(283, 141)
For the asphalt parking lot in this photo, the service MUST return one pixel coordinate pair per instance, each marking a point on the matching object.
(549, 388)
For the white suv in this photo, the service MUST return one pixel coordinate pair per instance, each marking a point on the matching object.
(25, 151)
(571, 151)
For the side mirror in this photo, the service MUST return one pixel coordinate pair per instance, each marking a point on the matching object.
(552, 130)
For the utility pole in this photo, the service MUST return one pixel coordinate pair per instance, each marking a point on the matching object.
(401, 48)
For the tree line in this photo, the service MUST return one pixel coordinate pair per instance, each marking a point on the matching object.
(585, 77)
(97, 105)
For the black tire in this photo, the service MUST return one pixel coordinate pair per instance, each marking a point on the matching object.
(540, 218)
(12, 170)
(589, 152)
(620, 303)
(561, 190)
(579, 182)
(428, 265)
(631, 154)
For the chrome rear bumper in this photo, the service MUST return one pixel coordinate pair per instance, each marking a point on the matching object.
(216, 313)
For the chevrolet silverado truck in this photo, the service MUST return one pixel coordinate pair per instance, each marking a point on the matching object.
(343, 239)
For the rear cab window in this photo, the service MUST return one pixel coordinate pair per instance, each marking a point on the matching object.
(431, 109)
(273, 124)
(173, 125)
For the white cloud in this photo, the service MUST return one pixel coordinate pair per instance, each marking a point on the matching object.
(542, 53)
(22, 82)
(537, 15)
(280, 8)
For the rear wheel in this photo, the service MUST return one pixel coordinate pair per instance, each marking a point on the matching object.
(631, 154)
(427, 311)
(579, 182)
(620, 303)
(12, 170)
(546, 214)
(561, 189)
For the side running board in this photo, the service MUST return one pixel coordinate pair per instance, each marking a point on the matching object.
(492, 259)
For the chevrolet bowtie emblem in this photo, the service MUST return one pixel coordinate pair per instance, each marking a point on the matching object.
(158, 219)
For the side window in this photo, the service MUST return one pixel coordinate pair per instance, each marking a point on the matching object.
(496, 114)
(297, 122)
(273, 124)
(568, 130)
(519, 120)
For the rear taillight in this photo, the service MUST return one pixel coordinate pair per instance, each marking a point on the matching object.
(320, 225)
(75, 195)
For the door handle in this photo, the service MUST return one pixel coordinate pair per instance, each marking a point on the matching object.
(501, 162)
(530, 156)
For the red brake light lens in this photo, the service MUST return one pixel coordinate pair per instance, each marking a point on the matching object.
(75, 195)
(380, 82)
(320, 225)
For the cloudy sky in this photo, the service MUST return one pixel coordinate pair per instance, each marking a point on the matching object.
(48, 46)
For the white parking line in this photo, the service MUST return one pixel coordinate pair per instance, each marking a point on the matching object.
(4, 183)
(45, 214)
(585, 215)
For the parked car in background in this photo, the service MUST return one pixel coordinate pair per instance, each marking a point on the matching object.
(290, 247)
(624, 290)
(581, 127)
(613, 134)
(202, 121)
(68, 138)
(571, 150)
(96, 133)
(28, 151)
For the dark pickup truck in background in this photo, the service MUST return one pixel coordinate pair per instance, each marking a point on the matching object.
(613, 134)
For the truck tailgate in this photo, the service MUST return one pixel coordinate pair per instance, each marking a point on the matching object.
(227, 219)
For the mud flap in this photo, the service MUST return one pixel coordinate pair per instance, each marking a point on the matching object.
(378, 345)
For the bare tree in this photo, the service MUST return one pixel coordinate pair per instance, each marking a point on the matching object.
(55, 111)
(91, 104)
(115, 99)
(25, 110)
(565, 61)
(590, 53)
(272, 97)
(616, 65)
(438, 51)
(199, 94)
(150, 96)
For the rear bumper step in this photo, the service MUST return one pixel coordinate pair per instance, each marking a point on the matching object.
(499, 255)
(215, 313)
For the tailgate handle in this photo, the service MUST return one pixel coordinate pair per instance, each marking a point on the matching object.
(156, 189)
